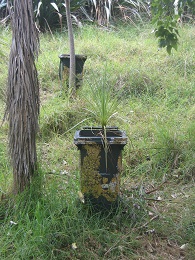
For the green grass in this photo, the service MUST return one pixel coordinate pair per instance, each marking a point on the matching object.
(156, 109)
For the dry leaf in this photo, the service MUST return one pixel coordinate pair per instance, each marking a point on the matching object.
(150, 213)
(184, 246)
(74, 246)
(151, 231)
(13, 223)
(81, 196)
(64, 172)
(64, 162)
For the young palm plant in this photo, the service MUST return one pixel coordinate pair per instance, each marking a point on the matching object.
(103, 103)
(102, 108)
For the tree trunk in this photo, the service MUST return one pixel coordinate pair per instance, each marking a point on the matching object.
(22, 106)
(72, 72)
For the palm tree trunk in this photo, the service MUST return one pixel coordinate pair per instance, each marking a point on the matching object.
(22, 106)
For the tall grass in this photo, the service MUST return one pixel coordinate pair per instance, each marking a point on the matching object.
(46, 223)
(156, 109)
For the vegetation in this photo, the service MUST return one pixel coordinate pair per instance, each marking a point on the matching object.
(167, 15)
(155, 218)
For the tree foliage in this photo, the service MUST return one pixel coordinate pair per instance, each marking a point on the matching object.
(166, 15)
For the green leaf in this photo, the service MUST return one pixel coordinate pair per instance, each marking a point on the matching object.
(162, 43)
(169, 47)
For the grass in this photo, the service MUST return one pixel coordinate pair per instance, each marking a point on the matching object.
(155, 218)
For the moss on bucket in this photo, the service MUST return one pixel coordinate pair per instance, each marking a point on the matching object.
(94, 184)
